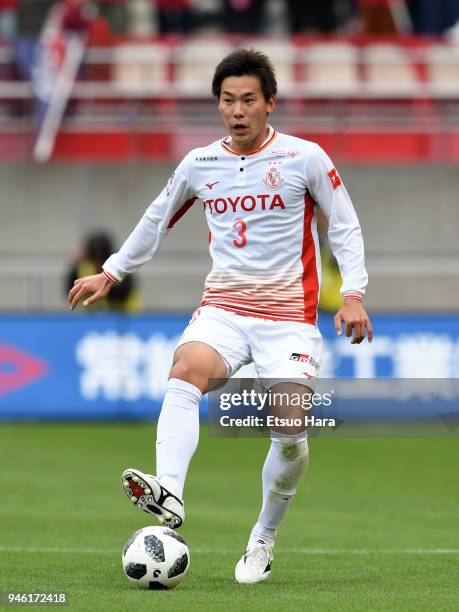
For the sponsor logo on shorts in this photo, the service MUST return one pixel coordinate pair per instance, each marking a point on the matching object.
(299, 357)
(304, 359)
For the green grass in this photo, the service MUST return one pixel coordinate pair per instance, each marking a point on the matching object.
(357, 537)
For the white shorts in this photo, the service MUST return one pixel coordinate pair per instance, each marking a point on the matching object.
(278, 349)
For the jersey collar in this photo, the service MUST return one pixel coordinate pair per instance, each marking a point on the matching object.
(272, 135)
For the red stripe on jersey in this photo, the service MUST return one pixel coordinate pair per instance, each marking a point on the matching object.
(181, 211)
(309, 280)
(253, 313)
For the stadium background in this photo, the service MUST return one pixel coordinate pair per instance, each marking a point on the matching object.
(380, 92)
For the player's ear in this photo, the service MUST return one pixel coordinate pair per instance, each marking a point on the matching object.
(270, 104)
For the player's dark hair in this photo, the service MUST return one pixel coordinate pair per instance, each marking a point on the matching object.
(250, 62)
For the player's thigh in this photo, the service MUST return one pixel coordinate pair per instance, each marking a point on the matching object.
(213, 346)
(197, 363)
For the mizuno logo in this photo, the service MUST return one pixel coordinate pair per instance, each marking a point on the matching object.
(210, 185)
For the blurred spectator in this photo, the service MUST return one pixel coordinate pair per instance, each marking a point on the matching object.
(96, 249)
(315, 15)
(174, 16)
(243, 16)
(433, 16)
(115, 13)
(324, 16)
(381, 16)
(8, 18)
(71, 16)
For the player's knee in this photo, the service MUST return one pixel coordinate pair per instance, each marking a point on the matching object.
(291, 448)
(184, 369)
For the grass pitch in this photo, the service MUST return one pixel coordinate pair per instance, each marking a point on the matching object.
(373, 527)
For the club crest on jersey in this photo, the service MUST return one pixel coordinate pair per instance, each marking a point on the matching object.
(273, 178)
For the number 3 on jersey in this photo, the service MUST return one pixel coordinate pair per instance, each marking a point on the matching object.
(241, 240)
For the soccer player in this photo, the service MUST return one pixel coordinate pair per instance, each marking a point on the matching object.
(260, 191)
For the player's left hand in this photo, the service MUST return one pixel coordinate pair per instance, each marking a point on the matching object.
(90, 288)
(358, 324)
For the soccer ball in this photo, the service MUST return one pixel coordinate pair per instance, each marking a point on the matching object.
(156, 558)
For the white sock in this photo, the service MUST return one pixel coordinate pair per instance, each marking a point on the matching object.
(284, 467)
(177, 434)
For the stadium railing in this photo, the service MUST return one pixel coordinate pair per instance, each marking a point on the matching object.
(342, 91)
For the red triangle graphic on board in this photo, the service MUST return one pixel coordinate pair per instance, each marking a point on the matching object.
(18, 368)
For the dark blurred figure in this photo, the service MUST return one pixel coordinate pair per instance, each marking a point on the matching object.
(323, 16)
(96, 249)
(243, 16)
(174, 16)
(382, 16)
(315, 15)
(433, 16)
(71, 16)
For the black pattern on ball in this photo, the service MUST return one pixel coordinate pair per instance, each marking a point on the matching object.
(129, 542)
(135, 570)
(174, 535)
(179, 566)
(154, 548)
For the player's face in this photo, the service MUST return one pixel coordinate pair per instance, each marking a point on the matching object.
(244, 111)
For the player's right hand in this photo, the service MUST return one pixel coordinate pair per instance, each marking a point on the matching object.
(92, 288)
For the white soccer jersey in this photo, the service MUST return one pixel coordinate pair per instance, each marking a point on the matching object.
(261, 212)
